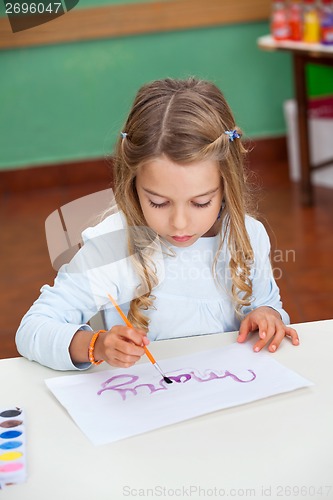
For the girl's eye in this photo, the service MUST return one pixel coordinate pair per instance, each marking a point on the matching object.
(158, 205)
(202, 205)
(165, 203)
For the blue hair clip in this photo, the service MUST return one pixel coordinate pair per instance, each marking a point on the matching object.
(123, 134)
(233, 134)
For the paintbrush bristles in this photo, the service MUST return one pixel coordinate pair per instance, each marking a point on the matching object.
(165, 378)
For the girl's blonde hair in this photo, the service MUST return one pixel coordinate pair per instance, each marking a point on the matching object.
(186, 121)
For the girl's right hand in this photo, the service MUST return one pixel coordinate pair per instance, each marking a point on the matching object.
(121, 346)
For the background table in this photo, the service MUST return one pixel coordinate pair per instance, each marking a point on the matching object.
(258, 450)
(303, 54)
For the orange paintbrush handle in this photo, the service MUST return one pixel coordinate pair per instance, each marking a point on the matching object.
(129, 324)
(149, 355)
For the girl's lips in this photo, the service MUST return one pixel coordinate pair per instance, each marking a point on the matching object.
(180, 239)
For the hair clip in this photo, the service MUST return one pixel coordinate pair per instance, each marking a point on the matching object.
(233, 134)
(123, 134)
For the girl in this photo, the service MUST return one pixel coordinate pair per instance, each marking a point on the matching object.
(180, 187)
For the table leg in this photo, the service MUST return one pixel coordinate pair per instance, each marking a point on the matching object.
(303, 127)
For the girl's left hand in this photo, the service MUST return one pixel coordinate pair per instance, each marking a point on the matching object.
(271, 329)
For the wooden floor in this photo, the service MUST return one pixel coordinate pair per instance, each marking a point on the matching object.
(302, 247)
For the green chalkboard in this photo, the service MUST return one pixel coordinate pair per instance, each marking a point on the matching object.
(68, 102)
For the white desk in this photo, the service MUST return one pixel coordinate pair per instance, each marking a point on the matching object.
(258, 450)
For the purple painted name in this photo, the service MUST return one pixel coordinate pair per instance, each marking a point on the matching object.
(125, 384)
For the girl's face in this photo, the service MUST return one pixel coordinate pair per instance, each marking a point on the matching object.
(180, 202)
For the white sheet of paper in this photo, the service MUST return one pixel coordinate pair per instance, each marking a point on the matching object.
(127, 402)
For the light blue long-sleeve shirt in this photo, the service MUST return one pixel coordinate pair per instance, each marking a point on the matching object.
(189, 301)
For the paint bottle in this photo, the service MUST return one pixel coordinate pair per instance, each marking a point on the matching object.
(311, 31)
(326, 22)
(296, 20)
(279, 20)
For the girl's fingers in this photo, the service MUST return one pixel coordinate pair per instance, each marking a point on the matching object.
(277, 339)
(123, 354)
(128, 348)
(124, 346)
(125, 360)
(270, 331)
(277, 334)
(145, 340)
(263, 341)
(244, 330)
(291, 333)
(265, 330)
(134, 336)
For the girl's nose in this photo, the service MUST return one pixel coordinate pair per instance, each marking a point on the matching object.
(179, 219)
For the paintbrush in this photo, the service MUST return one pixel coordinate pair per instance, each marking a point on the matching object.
(147, 352)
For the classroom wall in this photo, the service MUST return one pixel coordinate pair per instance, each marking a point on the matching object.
(67, 102)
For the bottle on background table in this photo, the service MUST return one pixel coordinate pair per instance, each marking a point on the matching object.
(296, 20)
(311, 25)
(279, 20)
(326, 22)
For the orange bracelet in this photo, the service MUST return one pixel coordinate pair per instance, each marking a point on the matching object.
(91, 348)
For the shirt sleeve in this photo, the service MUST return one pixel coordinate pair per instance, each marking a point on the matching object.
(79, 292)
(265, 291)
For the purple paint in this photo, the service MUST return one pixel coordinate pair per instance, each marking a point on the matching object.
(124, 381)
(178, 378)
(211, 376)
(128, 379)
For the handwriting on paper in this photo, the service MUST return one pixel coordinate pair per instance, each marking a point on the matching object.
(125, 384)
